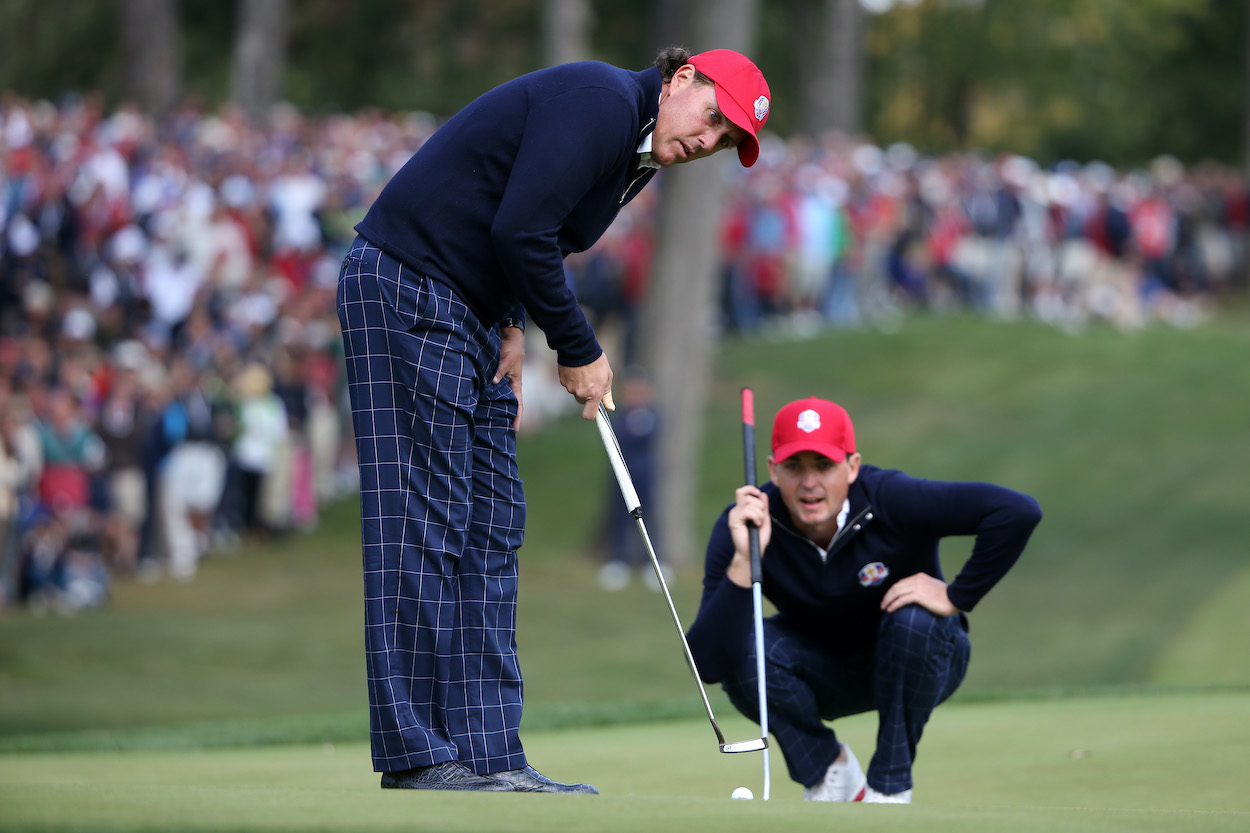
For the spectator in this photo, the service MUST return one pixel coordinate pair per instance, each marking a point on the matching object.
(262, 431)
(71, 451)
(123, 423)
(20, 463)
(193, 473)
(202, 237)
(637, 426)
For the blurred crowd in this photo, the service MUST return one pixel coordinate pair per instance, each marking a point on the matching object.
(170, 363)
(171, 377)
(844, 233)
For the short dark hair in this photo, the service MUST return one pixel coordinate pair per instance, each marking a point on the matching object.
(672, 58)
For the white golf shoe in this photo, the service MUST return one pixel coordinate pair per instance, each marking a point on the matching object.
(843, 781)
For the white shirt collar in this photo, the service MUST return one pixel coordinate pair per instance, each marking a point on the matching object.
(644, 153)
(644, 147)
(842, 516)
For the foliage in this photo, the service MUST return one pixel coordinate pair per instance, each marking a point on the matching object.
(394, 54)
(1081, 79)
(37, 38)
(1056, 79)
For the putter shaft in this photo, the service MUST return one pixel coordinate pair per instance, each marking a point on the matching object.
(634, 506)
(757, 577)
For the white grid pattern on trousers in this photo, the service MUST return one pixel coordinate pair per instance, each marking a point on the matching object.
(442, 515)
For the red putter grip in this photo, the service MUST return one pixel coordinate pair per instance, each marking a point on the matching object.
(748, 434)
(748, 459)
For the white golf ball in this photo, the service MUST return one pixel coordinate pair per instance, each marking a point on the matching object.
(742, 794)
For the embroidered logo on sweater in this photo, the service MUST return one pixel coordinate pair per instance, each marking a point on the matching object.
(870, 575)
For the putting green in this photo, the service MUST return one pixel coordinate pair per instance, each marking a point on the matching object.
(1152, 762)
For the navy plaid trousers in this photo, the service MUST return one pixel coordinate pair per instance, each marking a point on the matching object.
(919, 660)
(442, 514)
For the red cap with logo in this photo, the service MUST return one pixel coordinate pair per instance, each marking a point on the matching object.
(742, 94)
(813, 425)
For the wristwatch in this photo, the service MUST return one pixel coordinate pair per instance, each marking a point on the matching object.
(512, 322)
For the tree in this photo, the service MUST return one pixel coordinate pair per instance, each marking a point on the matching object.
(830, 80)
(152, 53)
(566, 31)
(1056, 79)
(259, 61)
(1245, 82)
(677, 326)
(674, 23)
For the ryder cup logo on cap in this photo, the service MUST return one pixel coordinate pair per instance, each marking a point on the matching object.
(813, 425)
(741, 93)
(761, 109)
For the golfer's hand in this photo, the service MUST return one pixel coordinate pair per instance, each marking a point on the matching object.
(750, 507)
(511, 362)
(921, 589)
(589, 384)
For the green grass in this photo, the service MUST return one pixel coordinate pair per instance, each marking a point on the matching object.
(1125, 763)
(1134, 584)
(1134, 444)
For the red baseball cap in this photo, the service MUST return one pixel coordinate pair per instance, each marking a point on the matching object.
(813, 425)
(742, 94)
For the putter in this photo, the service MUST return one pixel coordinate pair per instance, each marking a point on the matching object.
(757, 574)
(634, 506)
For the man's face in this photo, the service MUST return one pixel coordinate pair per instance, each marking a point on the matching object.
(690, 125)
(813, 487)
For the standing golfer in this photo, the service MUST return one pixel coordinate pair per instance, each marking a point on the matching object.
(463, 245)
(865, 621)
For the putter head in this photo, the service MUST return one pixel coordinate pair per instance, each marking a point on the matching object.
(752, 745)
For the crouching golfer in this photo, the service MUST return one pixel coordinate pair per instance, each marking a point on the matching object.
(462, 247)
(865, 621)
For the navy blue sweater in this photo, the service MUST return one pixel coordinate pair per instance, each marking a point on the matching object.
(892, 531)
(522, 176)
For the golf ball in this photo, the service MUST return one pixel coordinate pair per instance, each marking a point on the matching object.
(742, 793)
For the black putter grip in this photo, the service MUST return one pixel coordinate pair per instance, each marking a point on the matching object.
(748, 456)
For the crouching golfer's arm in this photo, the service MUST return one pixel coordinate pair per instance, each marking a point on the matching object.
(1000, 519)
(721, 632)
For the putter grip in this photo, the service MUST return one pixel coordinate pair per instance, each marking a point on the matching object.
(618, 461)
(748, 456)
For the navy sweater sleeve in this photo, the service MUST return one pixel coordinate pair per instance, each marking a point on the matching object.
(1000, 519)
(721, 633)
